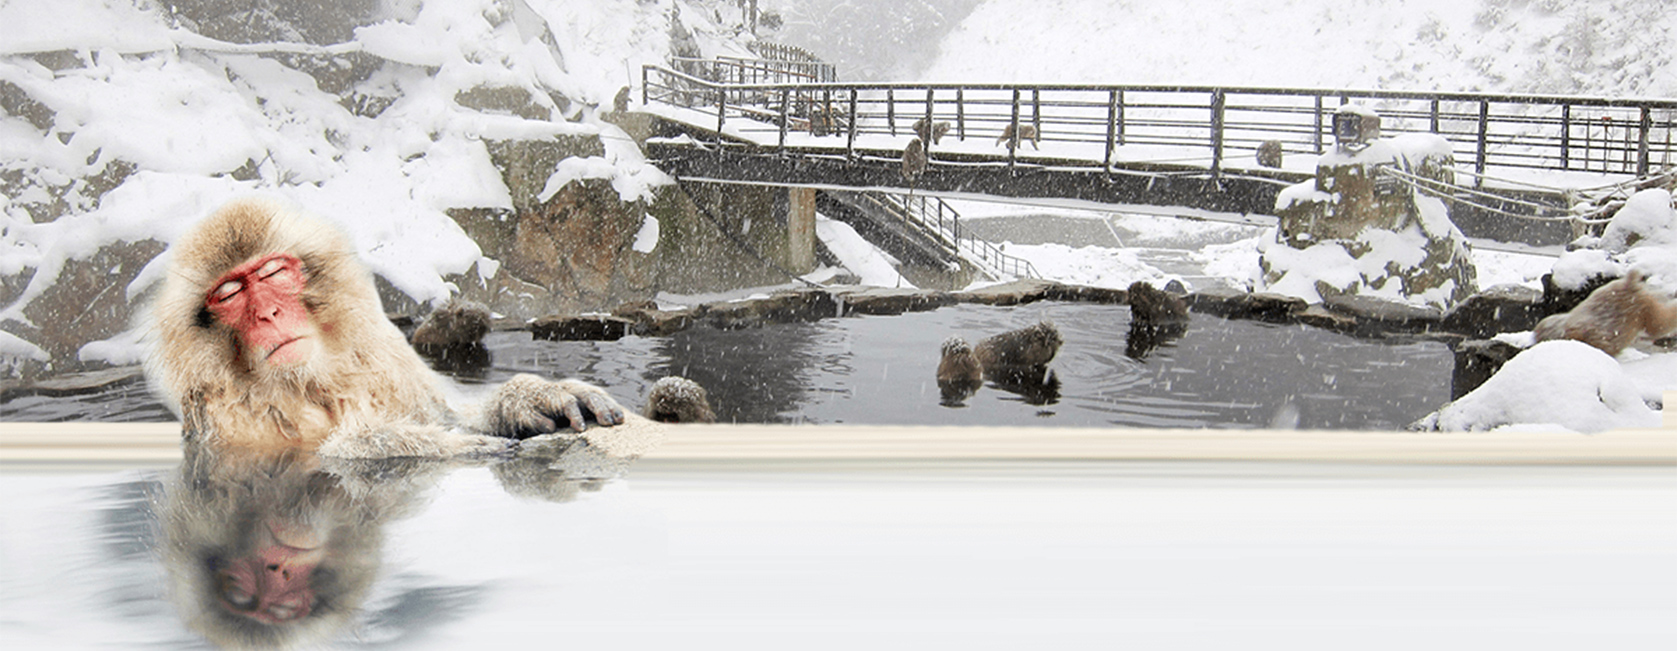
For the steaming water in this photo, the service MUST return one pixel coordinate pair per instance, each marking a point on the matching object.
(881, 370)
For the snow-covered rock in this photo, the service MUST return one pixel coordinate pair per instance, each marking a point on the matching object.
(1561, 384)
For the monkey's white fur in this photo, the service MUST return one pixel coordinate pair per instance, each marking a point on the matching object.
(363, 393)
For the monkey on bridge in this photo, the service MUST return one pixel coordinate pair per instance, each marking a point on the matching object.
(268, 334)
(1012, 136)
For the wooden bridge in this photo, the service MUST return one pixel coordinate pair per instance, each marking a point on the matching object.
(1527, 158)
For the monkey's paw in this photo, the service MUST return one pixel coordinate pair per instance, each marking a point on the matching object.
(528, 406)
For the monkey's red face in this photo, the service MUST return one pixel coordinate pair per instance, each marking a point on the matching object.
(272, 585)
(261, 301)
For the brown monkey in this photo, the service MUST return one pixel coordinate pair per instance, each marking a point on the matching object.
(1017, 360)
(958, 372)
(676, 399)
(1270, 154)
(1613, 316)
(914, 160)
(931, 132)
(620, 102)
(457, 323)
(1024, 131)
(268, 333)
(1150, 306)
(267, 550)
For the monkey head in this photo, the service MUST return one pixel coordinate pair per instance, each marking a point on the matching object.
(267, 550)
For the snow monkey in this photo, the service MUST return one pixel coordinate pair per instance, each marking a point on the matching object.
(1613, 316)
(268, 333)
(676, 399)
(1026, 351)
(914, 160)
(1153, 307)
(1024, 131)
(457, 323)
(931, 132)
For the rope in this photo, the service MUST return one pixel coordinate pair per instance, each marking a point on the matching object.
(1423, 184)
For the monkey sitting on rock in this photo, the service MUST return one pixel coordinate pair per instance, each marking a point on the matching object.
(1613, 316)
(268, 334)
(1005, 358)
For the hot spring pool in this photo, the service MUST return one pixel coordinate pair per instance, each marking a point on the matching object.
(881, 370)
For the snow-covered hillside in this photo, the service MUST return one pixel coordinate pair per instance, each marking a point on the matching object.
(1595, 47)
(127, 120)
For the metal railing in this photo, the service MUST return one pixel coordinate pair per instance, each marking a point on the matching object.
(1206, 126)
(940, 221)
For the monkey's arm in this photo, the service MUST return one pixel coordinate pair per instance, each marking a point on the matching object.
(408, 440)
(528, 405)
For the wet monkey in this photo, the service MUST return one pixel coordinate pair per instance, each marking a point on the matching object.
(1613, 316)
(675, 399)
(268, 333)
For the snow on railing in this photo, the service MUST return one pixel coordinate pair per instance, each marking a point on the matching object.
(1210, 123)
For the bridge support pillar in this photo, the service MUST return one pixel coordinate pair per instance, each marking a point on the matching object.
(800, 229)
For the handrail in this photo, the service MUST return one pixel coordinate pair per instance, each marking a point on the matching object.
(944, 223)
(1597, 134)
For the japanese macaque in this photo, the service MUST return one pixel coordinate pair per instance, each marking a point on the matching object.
(931, 132)
(620, 102)
(914, 160)
(268, 550)
(1151, 306)
(1023, 132)
(1010, 359)
(268, 333)
(457, 323)
(676, 399)
(1613, 316)
(1156, 318)
(1269, 154)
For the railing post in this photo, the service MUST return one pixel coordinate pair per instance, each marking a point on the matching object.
(1566, 136)
(1484, 127)
(1647, 128)
(1036, 111)
(1217, 103)
(644, 85)
(891, 110)
(1013, 143)
(785, 116)
(928, 143)
(1120, 117)
(1319, 125)
(850, 141)
(961, 114)
(1111, 126)
(1435, 116)
(721, 109)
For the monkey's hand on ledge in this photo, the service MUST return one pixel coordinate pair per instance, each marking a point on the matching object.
(528, 405)
(394, 441)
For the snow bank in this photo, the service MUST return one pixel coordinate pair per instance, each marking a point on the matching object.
(871, 266)
(1567, 384)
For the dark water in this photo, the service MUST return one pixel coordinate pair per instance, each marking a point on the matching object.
(881, 370)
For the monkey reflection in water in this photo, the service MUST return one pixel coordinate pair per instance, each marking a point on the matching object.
(282, 548)
(1157, 317)
(1014, 361)
(268, 333)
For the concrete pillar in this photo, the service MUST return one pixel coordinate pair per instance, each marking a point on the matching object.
(800, 230)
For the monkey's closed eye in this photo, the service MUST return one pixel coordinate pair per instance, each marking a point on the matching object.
(226, 290)
(270, 268)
